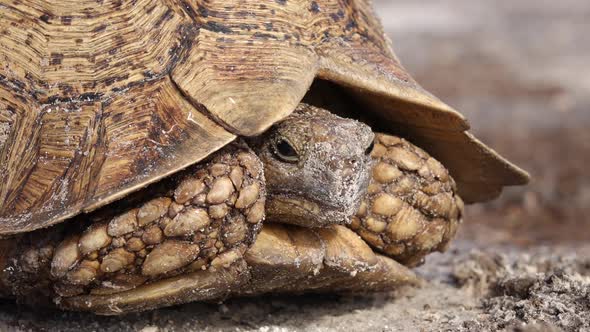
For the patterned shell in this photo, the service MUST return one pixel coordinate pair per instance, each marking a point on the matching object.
(99, 98)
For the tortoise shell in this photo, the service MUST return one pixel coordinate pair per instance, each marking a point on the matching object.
(100, 98)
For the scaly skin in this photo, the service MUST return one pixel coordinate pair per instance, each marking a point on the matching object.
(411, 208)
(198, 229)
(201, 218)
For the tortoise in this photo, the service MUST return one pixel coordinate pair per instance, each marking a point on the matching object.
(144, 143)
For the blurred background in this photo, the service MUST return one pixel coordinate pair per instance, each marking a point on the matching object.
(520, 72)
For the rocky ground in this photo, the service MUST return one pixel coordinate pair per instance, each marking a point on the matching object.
(519, 71)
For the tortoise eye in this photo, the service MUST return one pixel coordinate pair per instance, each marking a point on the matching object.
(285, 151)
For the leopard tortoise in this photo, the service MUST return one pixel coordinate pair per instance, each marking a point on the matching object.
(143, 144)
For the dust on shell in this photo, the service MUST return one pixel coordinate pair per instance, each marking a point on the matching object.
(207, 218)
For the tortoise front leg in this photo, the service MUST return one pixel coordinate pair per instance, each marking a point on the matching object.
(188, 235)
(412, 207)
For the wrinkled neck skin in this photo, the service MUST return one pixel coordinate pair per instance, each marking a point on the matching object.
(329, 178)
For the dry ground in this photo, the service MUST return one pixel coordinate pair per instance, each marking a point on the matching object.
(519, 70)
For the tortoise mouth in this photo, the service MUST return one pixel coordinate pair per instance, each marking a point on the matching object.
(307, 212)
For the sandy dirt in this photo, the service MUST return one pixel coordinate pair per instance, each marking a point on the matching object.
(519, 71)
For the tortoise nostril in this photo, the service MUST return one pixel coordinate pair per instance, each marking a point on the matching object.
(348, 162)
(350, 167)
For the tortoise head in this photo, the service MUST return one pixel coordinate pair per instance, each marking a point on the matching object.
(316, 167)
